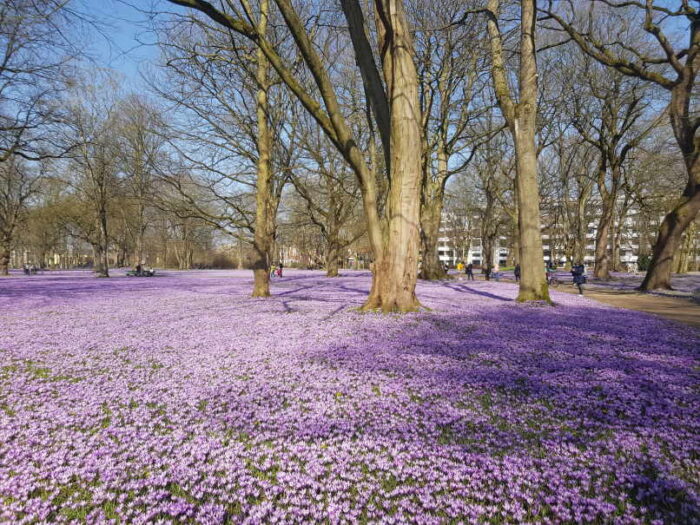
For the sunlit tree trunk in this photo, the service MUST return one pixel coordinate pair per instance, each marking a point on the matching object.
(264, 201)
(332, 254)
(431, 211)
(521, 120)
(669, 237)
(396, 270)
(602, 259)
(687, 208)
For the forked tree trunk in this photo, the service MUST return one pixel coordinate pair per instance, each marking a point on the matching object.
(395, 271)
(264, 200)
(521, 119)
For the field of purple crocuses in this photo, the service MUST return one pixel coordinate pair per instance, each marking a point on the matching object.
(179, 399)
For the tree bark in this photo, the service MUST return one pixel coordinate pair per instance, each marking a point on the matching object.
(602, 259)
(677, 220)
(521, 120)
(674, 224)
(101, 263)
(265, 208)
(332, 253)
(431, 211)
(5, 253)
(396, 270)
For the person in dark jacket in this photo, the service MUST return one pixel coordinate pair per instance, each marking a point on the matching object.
(516, 271)
(578, 272)
(470, 272)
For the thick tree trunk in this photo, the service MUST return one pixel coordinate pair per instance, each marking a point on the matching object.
(533, 284)
(678, 219)
(674, 224)
(100, 267)
(431, 268)
(332, 254)
(395, 271)
(5, 253)
(682, 262)
(521, 118)
(264, 201)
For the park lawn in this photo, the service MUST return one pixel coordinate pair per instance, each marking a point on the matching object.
(178, 398)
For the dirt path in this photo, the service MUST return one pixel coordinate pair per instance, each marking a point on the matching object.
(674, 308)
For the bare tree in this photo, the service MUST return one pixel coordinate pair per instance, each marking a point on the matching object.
(141, 144)
(330, 193)
(454, 99)
(93, 166)
(521, 118)
(34, 60)
(609, 112)
(18, 184)
(673, 65)
(395, 106)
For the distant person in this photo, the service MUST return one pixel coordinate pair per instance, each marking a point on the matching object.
(280, 268)
(578, 272)
(516, 272)
(460, 266)
(470, 272)
(139, 269)
(550, 272)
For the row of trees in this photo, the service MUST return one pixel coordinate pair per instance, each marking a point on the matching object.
(357, 119)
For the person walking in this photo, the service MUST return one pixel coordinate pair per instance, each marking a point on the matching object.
(470, 272)
(516, 272)
(279, 269)
(579, 276)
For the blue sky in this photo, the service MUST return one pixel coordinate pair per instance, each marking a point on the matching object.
(122, 40)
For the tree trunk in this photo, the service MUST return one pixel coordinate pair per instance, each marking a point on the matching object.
(678, 219)
(264, 205)
(674, 224)
(487, 257)
(521, 118)
(431, 268)
(395, 270)
(602, 259)
(332, 253)
(5, 253)
(533, 285)
(101, 263)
